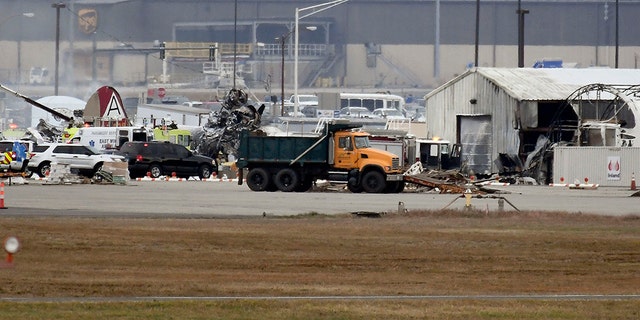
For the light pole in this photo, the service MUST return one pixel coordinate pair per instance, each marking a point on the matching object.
(57, 6)
(283, 39)
(315, 9)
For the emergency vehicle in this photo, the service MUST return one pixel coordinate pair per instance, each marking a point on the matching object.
(14, 155)
(106, 138)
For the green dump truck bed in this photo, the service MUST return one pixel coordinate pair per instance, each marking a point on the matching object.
(255, 149)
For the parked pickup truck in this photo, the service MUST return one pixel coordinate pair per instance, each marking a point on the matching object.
(293, 163)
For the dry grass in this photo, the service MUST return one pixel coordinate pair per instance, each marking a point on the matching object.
(421, 253)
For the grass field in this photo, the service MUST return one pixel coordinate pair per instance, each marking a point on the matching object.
(70, 268)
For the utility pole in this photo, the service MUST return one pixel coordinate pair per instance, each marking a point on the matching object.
(521, 14)
(617, 34)
(57, 6)
(477, 32)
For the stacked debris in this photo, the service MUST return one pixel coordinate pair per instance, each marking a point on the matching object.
(220, 135)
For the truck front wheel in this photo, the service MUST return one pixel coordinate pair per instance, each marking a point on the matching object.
(373, 182)
(258, 179)
(287, 180)
(353, 185)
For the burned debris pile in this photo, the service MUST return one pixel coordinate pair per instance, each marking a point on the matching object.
(220, 135)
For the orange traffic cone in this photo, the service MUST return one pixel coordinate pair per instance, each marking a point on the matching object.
(633, 181)
(2, 196)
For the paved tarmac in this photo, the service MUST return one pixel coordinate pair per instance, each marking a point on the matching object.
(228, 199)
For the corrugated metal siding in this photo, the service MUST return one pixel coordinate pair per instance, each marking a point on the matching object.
(573, 163)
(444, 106)
(502, 93)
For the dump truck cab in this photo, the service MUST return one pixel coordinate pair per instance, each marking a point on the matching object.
(353, 153)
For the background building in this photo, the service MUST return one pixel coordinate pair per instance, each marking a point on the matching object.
(368, 44)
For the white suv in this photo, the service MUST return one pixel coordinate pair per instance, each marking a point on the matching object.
(85, 159)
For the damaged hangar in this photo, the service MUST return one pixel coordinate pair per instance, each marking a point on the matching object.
(508, 120)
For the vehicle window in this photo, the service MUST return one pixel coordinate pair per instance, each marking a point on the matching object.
(362, 142)
(40, 148)
(181, 151)
(369, 103)
(63, 149)
(4, 146)
(150, 149)
(90, 150)
(345, 143)
(165, 149)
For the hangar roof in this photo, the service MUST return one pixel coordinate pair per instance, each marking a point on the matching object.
(538, 84)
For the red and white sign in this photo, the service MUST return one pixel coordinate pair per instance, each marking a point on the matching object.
(161, 92)
(613, 168)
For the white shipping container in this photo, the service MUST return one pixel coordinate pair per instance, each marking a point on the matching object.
(606, 166)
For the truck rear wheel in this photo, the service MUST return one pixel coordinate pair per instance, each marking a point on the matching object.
(258, 179)
(287, 180)
(305, 185)
(373, 182)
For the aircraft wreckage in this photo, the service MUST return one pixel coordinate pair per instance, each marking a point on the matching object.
(220, 135)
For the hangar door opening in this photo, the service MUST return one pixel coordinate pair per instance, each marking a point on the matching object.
(474, 135)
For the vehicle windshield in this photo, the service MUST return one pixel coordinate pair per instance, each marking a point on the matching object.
(362, 142)
(94, 150)
(308, 99)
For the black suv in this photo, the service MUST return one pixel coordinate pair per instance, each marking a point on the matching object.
(164, 158)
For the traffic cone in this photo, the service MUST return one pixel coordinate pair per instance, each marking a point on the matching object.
(633, 181)
(2, 196)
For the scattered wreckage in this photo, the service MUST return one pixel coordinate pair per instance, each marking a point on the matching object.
(220, 138)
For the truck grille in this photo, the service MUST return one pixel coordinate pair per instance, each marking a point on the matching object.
(395, 163)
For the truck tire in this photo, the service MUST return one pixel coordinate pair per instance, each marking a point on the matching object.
(305, 185)
(353, 185)
(373, 182)
(258, 179)
(287, 180)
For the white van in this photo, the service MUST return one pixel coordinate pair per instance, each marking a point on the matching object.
(371, 101)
